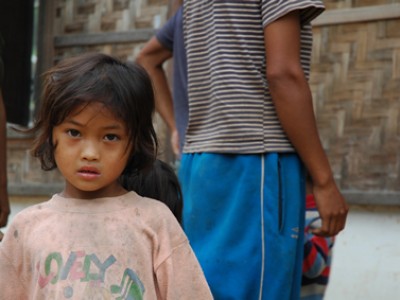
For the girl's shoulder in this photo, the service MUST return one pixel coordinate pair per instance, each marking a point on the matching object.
(31, 211)
(27, 219)
(146, 203)
(154, 213)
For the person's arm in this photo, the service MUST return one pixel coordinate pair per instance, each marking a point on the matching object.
(152, 57)
(293, 102)
(4, 202)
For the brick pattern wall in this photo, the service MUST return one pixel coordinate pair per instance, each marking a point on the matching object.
(356, 85)
(25, 177)
(108, 15)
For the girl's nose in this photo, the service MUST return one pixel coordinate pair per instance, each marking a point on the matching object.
(90, 151)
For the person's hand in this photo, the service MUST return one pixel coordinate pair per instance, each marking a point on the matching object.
(4, 207)
(332, 208)
(175, 143)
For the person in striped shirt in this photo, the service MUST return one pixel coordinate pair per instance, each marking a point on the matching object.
(251, 136)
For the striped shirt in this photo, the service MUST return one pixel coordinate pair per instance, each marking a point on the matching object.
(230, 106)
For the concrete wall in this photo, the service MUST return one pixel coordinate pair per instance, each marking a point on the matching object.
(366, 257)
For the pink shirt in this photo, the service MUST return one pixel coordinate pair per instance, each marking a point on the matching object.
(128, 246)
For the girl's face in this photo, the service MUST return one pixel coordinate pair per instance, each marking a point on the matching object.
(92, 149)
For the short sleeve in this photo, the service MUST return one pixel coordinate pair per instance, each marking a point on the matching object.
(181, 277)
(11, 261)
(272, 10)
(177, 270)
(166, 34)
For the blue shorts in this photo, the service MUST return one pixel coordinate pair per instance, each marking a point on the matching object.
(244, 217)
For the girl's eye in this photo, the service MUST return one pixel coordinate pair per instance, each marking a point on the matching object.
(111, 137)
(73, 132)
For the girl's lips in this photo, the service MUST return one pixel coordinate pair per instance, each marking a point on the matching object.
(89, 172)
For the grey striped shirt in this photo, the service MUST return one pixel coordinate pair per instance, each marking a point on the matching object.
(230, 106)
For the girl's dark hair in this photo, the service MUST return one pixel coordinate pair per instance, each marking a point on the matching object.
(122, 87)
(159, 182)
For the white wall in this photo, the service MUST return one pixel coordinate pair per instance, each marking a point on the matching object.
(366, 258)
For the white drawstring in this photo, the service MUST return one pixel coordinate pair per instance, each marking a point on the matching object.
(262, 225)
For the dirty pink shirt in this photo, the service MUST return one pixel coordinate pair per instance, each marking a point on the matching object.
(128, 246)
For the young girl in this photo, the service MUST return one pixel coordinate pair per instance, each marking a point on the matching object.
(95, 239)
